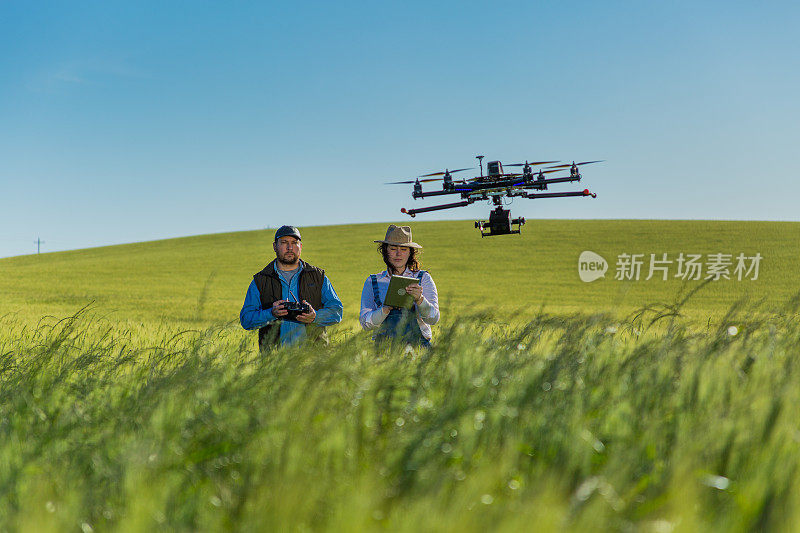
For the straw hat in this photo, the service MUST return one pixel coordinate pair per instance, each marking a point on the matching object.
(399, 236)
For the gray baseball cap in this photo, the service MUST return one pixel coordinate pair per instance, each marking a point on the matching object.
(288, 231)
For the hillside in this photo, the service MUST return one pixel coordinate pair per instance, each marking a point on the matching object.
(155, 411)
(202, 279)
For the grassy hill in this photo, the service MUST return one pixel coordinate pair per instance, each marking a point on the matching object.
(155, 411)
(202, 279)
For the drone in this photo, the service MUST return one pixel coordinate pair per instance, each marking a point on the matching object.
(497, 184)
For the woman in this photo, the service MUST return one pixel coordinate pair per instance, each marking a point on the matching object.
(412, 326)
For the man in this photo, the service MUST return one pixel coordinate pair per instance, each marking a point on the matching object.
(288, 279)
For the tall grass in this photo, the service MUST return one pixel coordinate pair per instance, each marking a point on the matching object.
(565, 422)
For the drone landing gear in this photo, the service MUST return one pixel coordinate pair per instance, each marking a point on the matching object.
(500, 223)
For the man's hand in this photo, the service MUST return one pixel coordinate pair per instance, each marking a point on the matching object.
(415, 290)
(307, 318)
(278, 309)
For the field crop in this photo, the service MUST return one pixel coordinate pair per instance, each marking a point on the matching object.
(571, 422)
(546, 403)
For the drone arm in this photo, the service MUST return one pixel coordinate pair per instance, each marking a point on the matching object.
(584, 192)
(435, 193)
(413, 212)
(536, 183)
(560, 180)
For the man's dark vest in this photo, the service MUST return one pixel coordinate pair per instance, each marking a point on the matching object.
(309, 288)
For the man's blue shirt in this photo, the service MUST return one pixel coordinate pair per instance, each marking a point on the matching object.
(253, 316)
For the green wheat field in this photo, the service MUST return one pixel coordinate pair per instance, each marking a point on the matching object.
(132, 400)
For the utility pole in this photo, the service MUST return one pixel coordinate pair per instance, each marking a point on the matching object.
(38, 242)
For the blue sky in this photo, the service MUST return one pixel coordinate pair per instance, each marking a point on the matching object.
(132, 121)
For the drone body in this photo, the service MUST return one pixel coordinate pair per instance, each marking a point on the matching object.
(496, 185)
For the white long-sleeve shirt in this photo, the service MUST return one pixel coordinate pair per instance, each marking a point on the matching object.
(372, 315)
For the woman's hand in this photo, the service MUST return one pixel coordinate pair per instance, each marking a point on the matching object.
(415, 290)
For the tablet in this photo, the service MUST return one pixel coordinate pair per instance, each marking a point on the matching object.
(396, 295)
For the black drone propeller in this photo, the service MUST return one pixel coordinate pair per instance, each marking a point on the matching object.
(446, 171)
(431, 174)
(577, 164)
(532, 163)
(412, 181)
